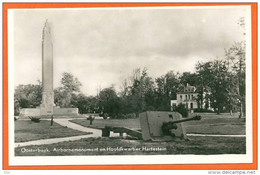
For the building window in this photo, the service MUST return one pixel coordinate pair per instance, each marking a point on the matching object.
(186, 97)
(191, 105)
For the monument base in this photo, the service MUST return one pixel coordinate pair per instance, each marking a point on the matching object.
(65, 111)
(47, 106)
(33, 112)
(58, 112)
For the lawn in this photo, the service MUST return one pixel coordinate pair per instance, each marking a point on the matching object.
(209, 124)
(129, 123)
(128, 146)
(26, 130)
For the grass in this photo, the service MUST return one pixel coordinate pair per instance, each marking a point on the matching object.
(210, 124)
(213, 124)
(26, 130)
(99, 146)
(216, 124)
(130, 123)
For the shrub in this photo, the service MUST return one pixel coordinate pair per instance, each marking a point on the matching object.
(91, 119)
(182, 110)
(203, 110)
(34, 119)
(123, 116)
(131, 115)
(105, 116)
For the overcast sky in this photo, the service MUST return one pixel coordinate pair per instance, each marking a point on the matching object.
(102, 46)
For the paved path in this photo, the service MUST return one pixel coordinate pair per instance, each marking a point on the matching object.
(51, 141)
(95, 132)
(66, 122)
(212, 135)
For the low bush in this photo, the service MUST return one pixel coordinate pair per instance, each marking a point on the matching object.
(203, 110)
(105, 116)
(123, 116)
(182, 110)
(35, 119)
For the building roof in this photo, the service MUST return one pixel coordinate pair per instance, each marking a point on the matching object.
(188, 89)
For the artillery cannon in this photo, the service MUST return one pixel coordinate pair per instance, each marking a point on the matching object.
(158, 125)
(155, 125)
(167, 127)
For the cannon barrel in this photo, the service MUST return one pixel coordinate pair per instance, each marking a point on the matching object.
(197, 117)
(168, 126)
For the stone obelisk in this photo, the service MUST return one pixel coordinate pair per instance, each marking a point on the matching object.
(47, 107)
(47, 72)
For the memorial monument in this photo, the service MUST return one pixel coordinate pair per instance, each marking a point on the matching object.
(47, 72)
(47, 107)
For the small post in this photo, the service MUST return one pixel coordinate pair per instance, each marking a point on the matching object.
(106, 132)
(91, 119)
(241, 111)
(51, 120)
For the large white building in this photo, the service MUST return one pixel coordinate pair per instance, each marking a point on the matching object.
(188, 97)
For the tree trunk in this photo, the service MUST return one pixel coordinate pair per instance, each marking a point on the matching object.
(218, 109)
